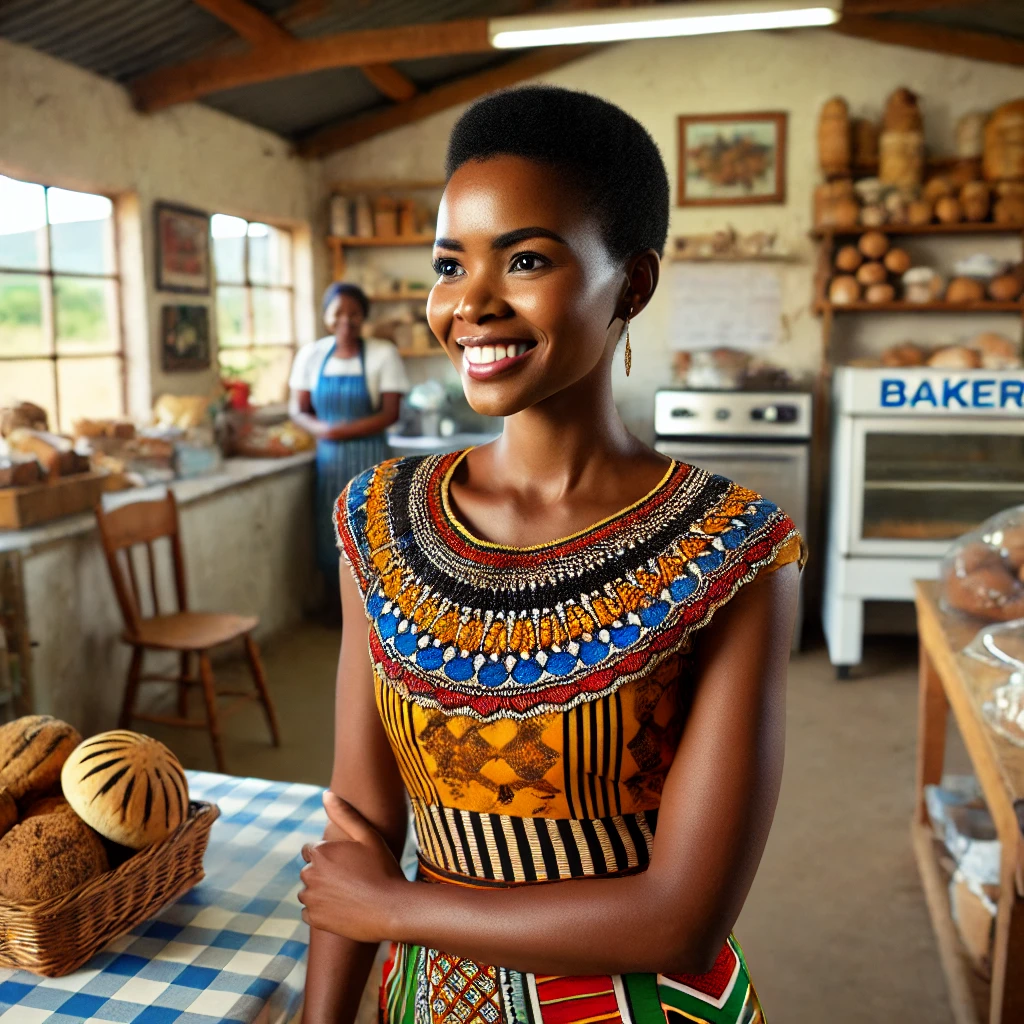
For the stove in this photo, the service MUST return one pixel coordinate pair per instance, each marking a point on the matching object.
(760, 439)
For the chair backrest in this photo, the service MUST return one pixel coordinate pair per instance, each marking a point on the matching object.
(122, 531)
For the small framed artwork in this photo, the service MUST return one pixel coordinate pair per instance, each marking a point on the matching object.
(182, 249)
(184, 338)
(732, 159)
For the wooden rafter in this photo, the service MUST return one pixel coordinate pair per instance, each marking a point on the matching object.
(921, 35)
(859, 7)
(365, 126)
(251, 24)
(390, 81)
(200, 77)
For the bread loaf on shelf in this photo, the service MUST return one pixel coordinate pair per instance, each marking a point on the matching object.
(32, 752)
(8, 812)
(47, 856)
(127, 786)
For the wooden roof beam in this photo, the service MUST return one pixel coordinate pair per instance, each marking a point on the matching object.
(859, 7)
(251, 24)
(197, 78)
(390, 81)
(365, 126)
(921, 35)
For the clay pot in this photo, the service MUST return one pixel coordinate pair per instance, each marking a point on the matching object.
(948, 210)
(1009, 210)
(970, 135)
(901, 159)
(846, 213)
(937, 187)
(975, 201)
(902, 113)
(865, 142)
(920, 211)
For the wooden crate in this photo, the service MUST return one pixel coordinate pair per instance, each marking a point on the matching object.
(21, 507)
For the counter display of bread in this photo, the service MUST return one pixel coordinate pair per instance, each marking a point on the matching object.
(21, 507)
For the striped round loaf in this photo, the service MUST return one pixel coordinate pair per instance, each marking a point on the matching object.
(127, 786)
(32, 751)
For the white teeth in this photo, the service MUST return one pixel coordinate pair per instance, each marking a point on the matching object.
(487, 354)
(521, 348)
(500, 352)
(483, 354)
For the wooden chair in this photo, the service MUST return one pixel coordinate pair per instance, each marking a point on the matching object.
(188, 633)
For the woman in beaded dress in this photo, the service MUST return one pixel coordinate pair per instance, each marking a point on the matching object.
(575, 653)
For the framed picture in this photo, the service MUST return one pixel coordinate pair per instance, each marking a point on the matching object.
(732, 159)
(184, 338)
(182, 249)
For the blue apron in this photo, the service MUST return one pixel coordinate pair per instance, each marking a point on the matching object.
(335, 399)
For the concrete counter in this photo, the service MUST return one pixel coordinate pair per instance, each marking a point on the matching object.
(248, 543)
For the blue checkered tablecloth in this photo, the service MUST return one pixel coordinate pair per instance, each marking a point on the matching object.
(233, 949)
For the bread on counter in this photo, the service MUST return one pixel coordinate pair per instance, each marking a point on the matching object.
(32, 752)
(127, 786)
(49, 855)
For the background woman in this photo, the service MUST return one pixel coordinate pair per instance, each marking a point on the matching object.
(578, 647)
(346, 391)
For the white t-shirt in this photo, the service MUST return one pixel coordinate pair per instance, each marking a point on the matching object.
(385, 370)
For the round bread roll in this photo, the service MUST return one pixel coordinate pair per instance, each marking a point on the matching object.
(997, 352)
(874, 244)
(49, 855)
(32, 751)
(955, 357)
(127, 786)
(965, 289)
(920, 212)
(948, 210)
(47, 805)
(1012, 544)
(1009, 210)
(937, 187)
(976, 555)
(1004, 288)
(904, 354)
(880, 293)
(871, 273)
(897, 261)
(848, 259)
(844, 290)
(846, 213)
(8, 812)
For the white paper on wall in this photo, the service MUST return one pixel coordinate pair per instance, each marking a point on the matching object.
(725, 306)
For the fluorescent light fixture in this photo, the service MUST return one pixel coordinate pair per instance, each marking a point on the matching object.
(698, 18)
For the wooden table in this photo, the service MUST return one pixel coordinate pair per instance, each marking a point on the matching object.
(948, 679)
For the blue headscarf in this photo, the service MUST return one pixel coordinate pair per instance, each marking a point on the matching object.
(338, 288)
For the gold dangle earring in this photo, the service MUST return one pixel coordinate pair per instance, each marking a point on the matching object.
(629, 351)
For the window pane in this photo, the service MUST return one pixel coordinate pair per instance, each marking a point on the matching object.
(89, 389)
(265, 369)
(86, 315)
(228, 248)
(22, 225)
(271, 315)
(21, 315)
(29, 380)
(270, 255)
(231, 318)
(81, 231)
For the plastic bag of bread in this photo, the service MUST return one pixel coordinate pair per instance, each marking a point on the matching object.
(983, 574)
(1002, 647)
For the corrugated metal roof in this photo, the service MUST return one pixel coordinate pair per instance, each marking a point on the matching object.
(124, 39)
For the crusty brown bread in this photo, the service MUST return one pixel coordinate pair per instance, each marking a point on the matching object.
(49, 855)
(127, 786)
(46, 805)
(8, 812)
(33, 750)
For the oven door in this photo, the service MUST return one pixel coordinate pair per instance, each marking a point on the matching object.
(778, 471)
(918, 484)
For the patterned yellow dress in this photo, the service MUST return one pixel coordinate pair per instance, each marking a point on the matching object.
(534, 699)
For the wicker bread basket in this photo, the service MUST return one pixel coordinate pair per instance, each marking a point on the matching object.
(56, 936)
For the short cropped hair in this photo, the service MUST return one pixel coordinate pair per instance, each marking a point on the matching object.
(338, 288)
(606, 153)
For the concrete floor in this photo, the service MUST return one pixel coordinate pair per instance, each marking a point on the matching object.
(835, 928)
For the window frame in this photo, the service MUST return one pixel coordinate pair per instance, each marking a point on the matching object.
(248, 286)
(49, 306)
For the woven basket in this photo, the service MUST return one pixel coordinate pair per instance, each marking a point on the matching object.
(56, 936)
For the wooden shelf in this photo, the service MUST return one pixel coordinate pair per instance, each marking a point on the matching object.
(969, 994)
(347, 188)
(961, 228)
(921, 307)
(775, 257)
(356, 242)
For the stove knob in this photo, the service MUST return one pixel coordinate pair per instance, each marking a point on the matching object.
(771, 414)
(722, 414)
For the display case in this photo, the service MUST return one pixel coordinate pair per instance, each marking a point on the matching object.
(919, 457)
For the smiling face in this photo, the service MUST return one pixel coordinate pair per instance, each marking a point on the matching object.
(528, 300)
(344, 318)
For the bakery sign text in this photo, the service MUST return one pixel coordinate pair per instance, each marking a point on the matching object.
(952, 393)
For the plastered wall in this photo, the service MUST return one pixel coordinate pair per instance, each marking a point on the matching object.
(656, 81)
(63, 126)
